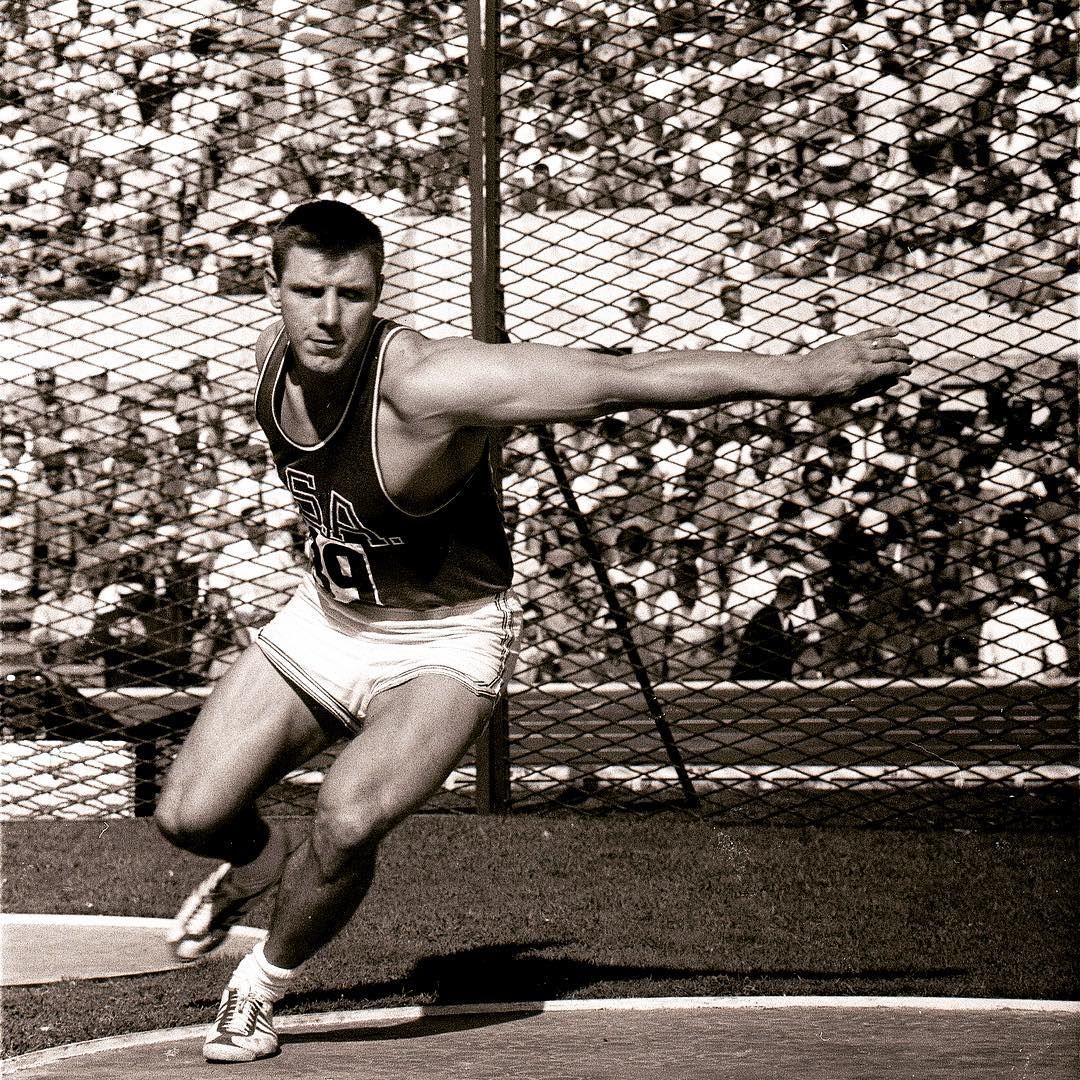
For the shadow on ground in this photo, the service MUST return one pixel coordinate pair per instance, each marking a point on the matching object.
(419, 1028)
(521, 972)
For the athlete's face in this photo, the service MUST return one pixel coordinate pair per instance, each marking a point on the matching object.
(327, 303)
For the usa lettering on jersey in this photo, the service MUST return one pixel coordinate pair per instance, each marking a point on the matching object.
(339, 544)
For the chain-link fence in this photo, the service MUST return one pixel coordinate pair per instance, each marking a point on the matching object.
(768, 612)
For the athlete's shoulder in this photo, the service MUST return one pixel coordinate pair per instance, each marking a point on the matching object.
(403, 345)
(416, 374)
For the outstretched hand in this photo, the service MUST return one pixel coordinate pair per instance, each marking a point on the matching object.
(849, 368)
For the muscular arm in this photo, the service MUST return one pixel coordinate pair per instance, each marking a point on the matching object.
(462, 383)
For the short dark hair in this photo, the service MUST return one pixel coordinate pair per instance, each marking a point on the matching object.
(789, 585)
(325, 225)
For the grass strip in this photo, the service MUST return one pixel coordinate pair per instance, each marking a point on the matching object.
(493, 909)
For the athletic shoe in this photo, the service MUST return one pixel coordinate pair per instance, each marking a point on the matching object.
(243, 1029)
(208, 914)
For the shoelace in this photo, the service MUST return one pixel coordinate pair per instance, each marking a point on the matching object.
(239, 1007)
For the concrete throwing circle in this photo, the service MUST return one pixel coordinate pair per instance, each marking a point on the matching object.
(794, 1038)
(36, 949)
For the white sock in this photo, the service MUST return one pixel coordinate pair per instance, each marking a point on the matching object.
(259, 977)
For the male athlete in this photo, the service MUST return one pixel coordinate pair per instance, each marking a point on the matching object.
(404, 632)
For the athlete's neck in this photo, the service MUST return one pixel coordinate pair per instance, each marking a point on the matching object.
(311, 405)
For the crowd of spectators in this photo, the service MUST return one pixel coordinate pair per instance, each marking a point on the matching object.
(143, 141)
(916, 536)
(145, 145)
(844, 138)
(144, 534)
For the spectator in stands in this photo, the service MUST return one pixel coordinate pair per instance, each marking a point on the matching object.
(614, 184)
(17, 564)
(752, 579)
(571, 605)
(628, 332)
(62, 620)
(340, 102)
(813, 510)
(18, 148)
(1013, 146)
(733, 262)
(679, 628)
(573, 164)
(1007, 33)
(200, 540)
(537, 193)
(721, 151)
(122, 635)
(45, 212)
(78, 192)
(771, 153)
(672, 453)
(822, 329)
(79, 114)
(1065, 575)
(1018, 640)
(1010, 480)
(46, 279)
(769, 644)
(971, 72)
(197, 107)
(136, 39)
(633, 566)
(148, 192)
(62, 508)
(47, 414)
(847, 473)
(305, 67)
(677, 176)
(168, 68)
(177, 159)
(875, 440)
(126, 486)
(111, 246)
(110, 138)
(1054, 50)
(538, 660)
(248, 481)
(885, 107)
(16, 461)
(251, 578)
(736, 329)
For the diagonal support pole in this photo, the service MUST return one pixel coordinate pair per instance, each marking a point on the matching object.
(618, 612)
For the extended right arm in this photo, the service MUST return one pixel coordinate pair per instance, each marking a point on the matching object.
(465, 383)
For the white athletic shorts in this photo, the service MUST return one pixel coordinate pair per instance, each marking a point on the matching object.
(342, 655)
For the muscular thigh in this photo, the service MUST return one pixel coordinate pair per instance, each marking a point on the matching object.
(252, 730)
(413, 736)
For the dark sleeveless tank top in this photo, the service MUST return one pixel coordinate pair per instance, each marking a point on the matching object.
(363, 547)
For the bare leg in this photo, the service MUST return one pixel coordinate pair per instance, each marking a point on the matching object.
(253, 729)
(413, 736)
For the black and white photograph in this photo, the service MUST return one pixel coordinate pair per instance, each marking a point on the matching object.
(540, 539)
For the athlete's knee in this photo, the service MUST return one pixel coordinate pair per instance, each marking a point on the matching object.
(188, 826)
(176, 826)
(347, 832)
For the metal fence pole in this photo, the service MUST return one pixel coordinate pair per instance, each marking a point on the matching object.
(484, 168)
(493, 747)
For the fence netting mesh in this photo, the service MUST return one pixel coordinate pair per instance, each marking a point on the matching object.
(790, 612)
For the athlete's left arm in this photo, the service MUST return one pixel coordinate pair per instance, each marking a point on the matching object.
(458, 382)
